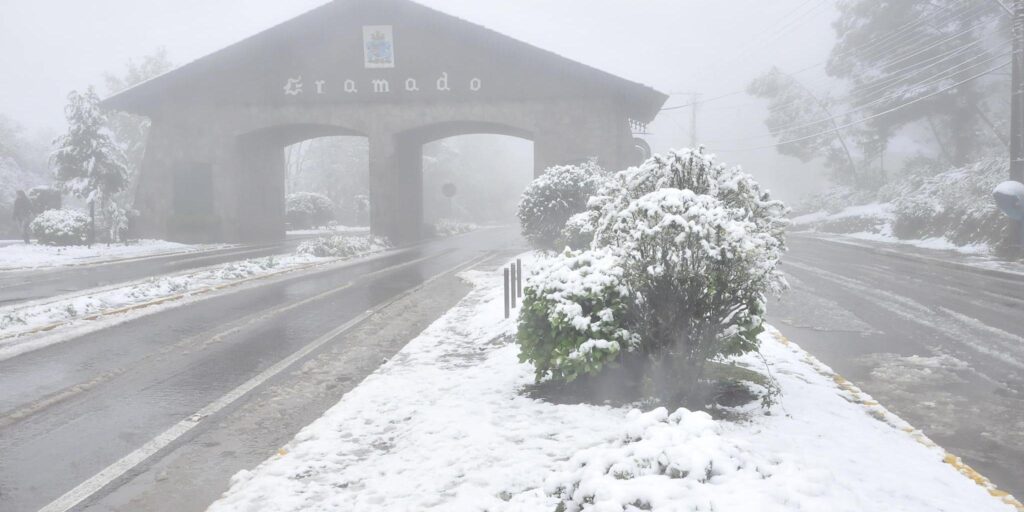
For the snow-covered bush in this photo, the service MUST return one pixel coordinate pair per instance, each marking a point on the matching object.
(683, 255)
(61, 227)
(44, 198)
(574, 314)
(555, 196)
(699, 244)
(341, 246)
(449, 227)
(660, 462)
(305, 210)
(955, 204)
(578, 232)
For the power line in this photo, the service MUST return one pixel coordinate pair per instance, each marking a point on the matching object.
(875, 116)
(934, 79)
(899, 33)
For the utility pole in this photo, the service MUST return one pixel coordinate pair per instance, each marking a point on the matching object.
(1017, 109)
(694, 98)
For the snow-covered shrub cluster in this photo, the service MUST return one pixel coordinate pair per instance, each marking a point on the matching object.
(925, 202)
(573, 315)
(450, 227)
(555, 196)
(305, 210)
(341, 246)
(694, 245)
(61, 227)
(955, 204)
(657, 463)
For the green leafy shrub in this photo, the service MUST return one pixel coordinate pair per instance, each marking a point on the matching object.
(61, 227)
(551, 199)
(573, 319)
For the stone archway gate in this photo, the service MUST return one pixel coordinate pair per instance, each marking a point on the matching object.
(394, 71)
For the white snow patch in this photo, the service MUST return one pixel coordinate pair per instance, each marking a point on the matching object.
(21, 324)
(330, 230)
(877, 210)
(18, 256)
(444, 425)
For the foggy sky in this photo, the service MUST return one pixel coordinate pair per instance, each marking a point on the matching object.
(49, 47)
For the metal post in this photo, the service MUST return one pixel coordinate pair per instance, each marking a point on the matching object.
(519, 277)
(1017, 108)
(506, 293)
(512, 289)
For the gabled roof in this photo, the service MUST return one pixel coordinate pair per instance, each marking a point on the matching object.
(643, 102)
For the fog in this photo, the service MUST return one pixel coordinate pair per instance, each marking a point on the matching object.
(511, 255)
(702, 46)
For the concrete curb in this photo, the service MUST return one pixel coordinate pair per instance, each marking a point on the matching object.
(876, 410)
(991, 272)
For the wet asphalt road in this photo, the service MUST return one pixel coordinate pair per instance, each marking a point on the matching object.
(69, 410)
(942, 347)
(17, 286)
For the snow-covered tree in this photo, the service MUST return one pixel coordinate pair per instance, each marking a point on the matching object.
(131, 131)
(87, 163)
(551, 199)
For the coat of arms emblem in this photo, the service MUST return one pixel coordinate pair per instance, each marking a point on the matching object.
(378, 46)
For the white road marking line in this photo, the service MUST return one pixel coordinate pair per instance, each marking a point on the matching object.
(114, 471)
(25, 411)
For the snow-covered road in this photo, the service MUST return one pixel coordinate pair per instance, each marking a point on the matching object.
(81, 414)
(941, 346)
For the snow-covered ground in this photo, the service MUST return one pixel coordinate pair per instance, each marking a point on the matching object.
(33, 325)
(876, 210)
(331, 230)
(444, 425)
(22, 256)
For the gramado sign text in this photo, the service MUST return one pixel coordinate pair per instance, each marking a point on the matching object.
(297, 86)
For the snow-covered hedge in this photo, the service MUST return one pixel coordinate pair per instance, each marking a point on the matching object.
(555, 196)
(574, 315)
(693, 247)
(61, 227)
(305, 210)
(341, 246)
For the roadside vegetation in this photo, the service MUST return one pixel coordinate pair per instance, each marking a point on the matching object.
(682, 253)
(912, 138)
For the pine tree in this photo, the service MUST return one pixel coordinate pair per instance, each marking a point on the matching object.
(87, 163)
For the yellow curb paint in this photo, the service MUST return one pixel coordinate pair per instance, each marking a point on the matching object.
(877, 411)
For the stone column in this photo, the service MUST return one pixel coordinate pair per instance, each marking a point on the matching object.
(257, 183)
(396, 188)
